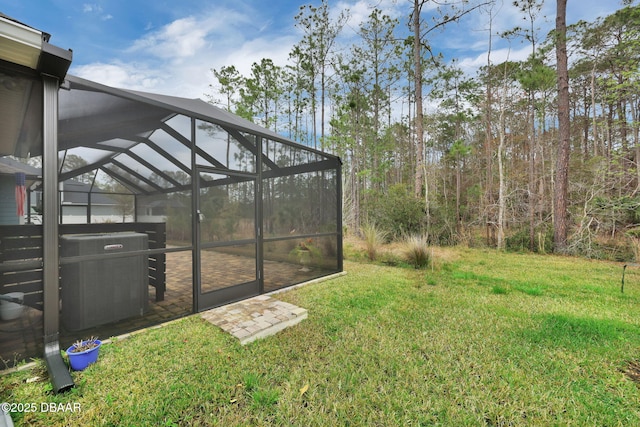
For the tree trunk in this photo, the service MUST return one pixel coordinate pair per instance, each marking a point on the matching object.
(488, 149)
(501, 188)
(595, 110)
(417, 64)
(564, 132)
(458, 192)
(322, 100)
(502, 204)
(531, 188)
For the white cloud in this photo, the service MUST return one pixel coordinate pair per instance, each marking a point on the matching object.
(96, 9)
(360, 10)
(277, 49)
(177, 59)
(179, 39)
(121, 75)
(472, 63)
(90, 8)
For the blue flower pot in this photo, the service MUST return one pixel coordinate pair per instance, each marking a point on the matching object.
(82, 359)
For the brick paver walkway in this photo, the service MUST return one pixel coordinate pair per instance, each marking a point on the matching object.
(255, 318)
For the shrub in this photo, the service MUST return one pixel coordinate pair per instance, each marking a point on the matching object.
(518, 241)
(397, 210)
(417, 251)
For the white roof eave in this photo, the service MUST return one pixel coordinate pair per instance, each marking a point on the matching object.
(20, 44)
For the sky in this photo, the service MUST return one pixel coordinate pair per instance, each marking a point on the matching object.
(171, 47)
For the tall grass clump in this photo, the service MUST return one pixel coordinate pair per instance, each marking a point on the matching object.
(417, 251)
(634, 237)
(374, 237)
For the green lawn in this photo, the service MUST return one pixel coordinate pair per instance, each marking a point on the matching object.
(483, 338)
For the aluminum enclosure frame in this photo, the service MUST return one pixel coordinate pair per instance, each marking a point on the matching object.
(69, 129)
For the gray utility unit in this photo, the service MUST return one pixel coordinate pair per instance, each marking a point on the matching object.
(97, 292)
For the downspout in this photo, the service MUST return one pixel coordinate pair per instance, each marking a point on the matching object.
(58, 370)
(53, 65)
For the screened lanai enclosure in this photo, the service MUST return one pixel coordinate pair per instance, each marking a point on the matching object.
(123, 209)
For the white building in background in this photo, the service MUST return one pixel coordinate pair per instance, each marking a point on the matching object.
(77, 199)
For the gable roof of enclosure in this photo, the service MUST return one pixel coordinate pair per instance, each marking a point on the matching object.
(112, 121)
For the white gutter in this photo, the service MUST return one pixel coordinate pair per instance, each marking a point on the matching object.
(19, 43)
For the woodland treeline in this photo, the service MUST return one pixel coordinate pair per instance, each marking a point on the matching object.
(465, 158)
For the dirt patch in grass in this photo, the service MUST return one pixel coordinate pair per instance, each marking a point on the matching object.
(633, 371)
